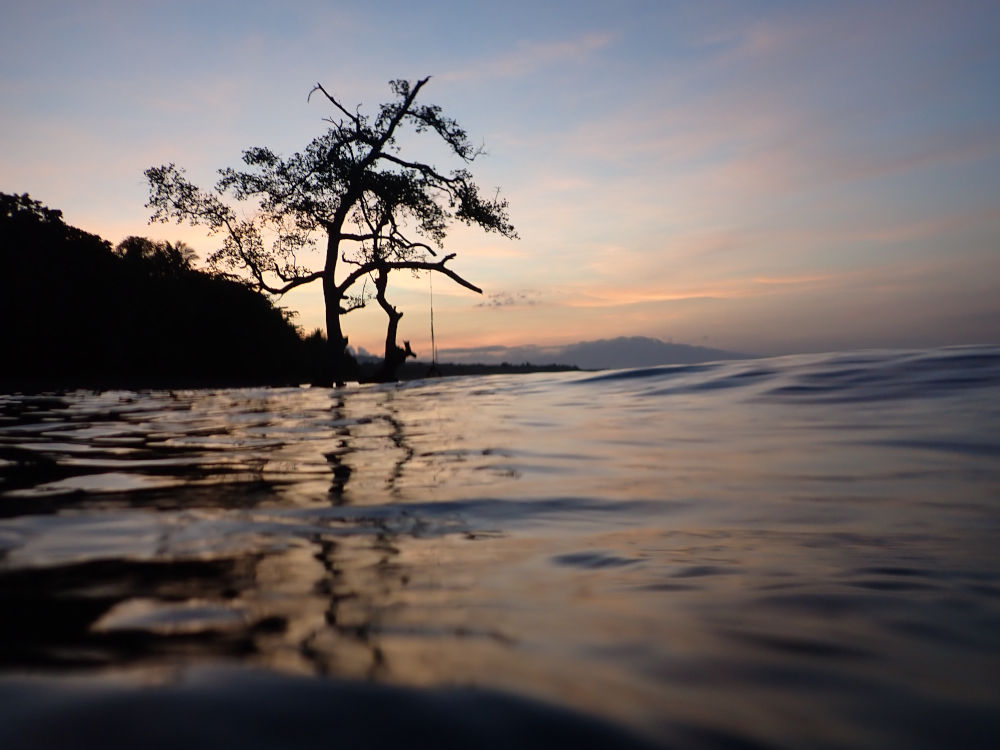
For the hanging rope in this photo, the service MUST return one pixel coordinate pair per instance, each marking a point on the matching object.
(434, 351)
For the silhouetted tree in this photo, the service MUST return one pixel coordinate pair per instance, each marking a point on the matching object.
(74, 312)
(159, 258)
(378, 211)
(24, 219)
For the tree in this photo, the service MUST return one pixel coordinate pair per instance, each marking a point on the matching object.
(74, 312)
(158, 258)
(379, 211)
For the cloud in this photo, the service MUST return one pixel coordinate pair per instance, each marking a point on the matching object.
(529, 57)
(596, 297)
(653, 291)
(511, 299)
(798, 279)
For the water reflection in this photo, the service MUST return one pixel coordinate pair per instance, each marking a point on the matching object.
(707, 554)
(402, 446)
(310, 607)
(305, 596)
(339, 468)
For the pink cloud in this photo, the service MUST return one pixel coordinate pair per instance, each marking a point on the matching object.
(529, 57)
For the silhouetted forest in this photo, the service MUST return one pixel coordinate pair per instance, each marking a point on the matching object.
(76, 312)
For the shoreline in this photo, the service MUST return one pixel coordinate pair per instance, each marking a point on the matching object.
(99, 383)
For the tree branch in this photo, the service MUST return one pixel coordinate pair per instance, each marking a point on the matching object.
(413, 265)
(353, 117)
(298, 281)
(425, 169)
(351, 306)
(402, 241)
(439, 266)
(390, 128)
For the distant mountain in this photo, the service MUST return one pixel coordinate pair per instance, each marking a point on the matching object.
(603, 354)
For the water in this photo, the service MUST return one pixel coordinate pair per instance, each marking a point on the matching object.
(787, 552)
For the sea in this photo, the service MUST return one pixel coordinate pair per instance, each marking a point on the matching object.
(801, 551)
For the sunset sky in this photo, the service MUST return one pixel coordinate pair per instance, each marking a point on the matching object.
(767, 177)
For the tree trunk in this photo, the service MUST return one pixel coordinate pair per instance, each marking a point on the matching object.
(340, 366)
(394, 356)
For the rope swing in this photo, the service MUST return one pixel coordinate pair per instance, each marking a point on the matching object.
(434, 351)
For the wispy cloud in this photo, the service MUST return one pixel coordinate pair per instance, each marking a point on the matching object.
(511, 299)
(625, 297)
(797, 279)
(659, 291)
(530, 57)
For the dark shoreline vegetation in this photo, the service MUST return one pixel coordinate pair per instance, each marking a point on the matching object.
(79, 313)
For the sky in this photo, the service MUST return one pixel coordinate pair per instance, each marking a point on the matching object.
(764, 177)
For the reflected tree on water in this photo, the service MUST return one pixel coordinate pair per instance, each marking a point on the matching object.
(338, 467)
(395, 444)
(222, 572)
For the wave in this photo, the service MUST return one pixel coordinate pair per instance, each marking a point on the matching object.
(837, 377)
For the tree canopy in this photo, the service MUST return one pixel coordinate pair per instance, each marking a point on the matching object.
(352, 195)
(76, 312)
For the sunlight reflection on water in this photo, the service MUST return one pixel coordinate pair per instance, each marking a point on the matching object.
(785, 551)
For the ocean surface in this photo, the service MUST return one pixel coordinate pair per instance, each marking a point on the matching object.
(793, 552)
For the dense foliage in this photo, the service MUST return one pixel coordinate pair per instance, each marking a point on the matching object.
(77, 312)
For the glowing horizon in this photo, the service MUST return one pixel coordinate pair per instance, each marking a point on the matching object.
(776, 178)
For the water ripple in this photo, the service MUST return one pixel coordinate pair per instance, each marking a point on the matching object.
(790, 552)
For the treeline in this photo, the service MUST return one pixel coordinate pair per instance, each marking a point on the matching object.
(77, 312)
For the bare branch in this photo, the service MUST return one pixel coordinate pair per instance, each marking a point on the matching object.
(439, 266)
(402, 110)
(353, 117)
(357, 237)
(413, 265)
(279, 291)
(425, 169)
(403, 242)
